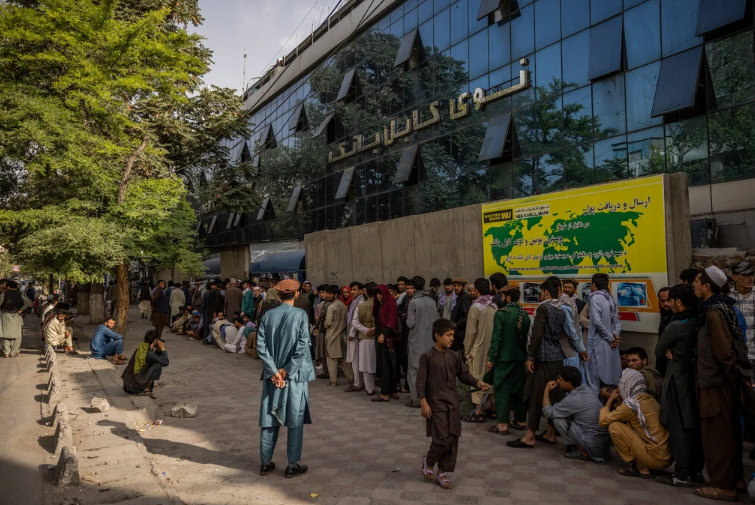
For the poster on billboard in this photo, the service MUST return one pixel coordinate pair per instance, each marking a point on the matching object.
(616, 228)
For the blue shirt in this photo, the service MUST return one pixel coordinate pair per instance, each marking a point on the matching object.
(101, 338)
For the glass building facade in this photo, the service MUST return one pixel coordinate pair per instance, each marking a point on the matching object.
(618, 89)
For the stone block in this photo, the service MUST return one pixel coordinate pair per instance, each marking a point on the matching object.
(184, 410)
(63, 436)
(67, 469)
(59, 414)
(99, 404)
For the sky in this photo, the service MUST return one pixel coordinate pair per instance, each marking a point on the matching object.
(261, 26)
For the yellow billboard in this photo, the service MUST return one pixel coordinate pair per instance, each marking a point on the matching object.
(616, 228)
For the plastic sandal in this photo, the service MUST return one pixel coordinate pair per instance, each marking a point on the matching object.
(427, 473)
(443, 481)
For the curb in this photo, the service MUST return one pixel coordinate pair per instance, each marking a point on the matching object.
(67, 469)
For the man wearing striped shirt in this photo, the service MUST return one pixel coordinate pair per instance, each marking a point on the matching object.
(744, 298)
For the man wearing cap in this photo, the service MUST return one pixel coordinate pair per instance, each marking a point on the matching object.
(56, 333)
(459, 315)
(744, 299)
(718, 378)
(283, 348)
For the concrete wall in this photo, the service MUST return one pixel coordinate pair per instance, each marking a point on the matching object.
(440, 244)
(234, 262)
(732, 205)
(678, 231)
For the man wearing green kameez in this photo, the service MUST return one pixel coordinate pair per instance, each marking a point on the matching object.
(506, 357)
(283, 348)
(13, 303)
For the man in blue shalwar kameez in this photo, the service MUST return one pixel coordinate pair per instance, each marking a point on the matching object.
(283, 348)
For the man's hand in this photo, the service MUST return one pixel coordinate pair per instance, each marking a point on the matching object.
(381, 339)
(583, 356)
(530, 365)
(160, 345)
(490, 366)
(370, 332)
(616, 341)
(350, 337)
(282, 372)
(427, 413)
(669, 355)
(615, 395)
(551, 386)
(277, 379)
(483, 386)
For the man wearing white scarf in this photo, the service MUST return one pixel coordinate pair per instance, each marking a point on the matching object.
(603, 338)
(635, 428)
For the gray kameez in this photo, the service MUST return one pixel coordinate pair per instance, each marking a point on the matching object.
(12, 326)
(577, 415)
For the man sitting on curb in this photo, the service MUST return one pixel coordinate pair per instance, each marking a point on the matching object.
(107, 344)
(576, 417)
(146, 366)
(56, 334)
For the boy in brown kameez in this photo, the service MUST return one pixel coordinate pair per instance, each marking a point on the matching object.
(436, 388)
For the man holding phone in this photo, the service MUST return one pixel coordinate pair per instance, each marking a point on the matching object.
(145, 366)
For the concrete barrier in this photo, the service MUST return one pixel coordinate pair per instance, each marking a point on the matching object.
(54, 386)
(63, 436)
(59, 414)
(67, 469)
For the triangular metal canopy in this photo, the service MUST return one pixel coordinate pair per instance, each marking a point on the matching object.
(294, 200)
(349, 87)
(299, 121)
(410, 167)
(499, 138)
(412, 50)
(266, 212)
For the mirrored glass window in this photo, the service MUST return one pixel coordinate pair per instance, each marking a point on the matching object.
(574, 55)
(478, 54)
(577, 117)
(425, 10)
(523, 33)
(475, 25)
(640, 86)
(732, 70)
(578, 166)
(575, 16)
(678, 23)
(548, 74)
(459, 24)
(642, 34)
(732, 144)
(646, 152)
(601, 10)
(441, 4)
(611, 159)
(499, 43)
(548, 173)
(687, 149)
(547, 22)
(442, 27)
(609, 107)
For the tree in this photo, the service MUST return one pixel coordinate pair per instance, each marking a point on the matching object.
(103, 113)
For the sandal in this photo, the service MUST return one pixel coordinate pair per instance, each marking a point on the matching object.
(520, 427)
(427, 473)
(334, 384)
(323, 376)
(492, 414)
(473, 418)
(73, 353)
(714, 494)
(403, 390)
(147, 393)
(443, 481)
(633, 472)
(17, 355)
(576, 455)
(541, 438)
(497, 431)
(518, 444)
(351, 389)
(395, 396)
(379, 399)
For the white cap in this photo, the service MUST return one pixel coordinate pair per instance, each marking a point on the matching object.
(716, 275)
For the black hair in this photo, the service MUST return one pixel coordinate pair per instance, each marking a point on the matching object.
(441, 326)
(556, 281)
(623, 352)
(286, 296)
(392, 287)
(572, 375)
(447, 281)
(239, 320)
(402, 278)
(639, 351)
(499, 280)
(705, 279)
(689, 275)
(150, 336)
(333, 289)
(434, 282)
(12, 284)
(370, 289)
(663, 290)
(357, 284)
(514, 294)
(551, 287)
(170, 283)
(600, 281)
(110, 318)
(160, 281)
(418, 282)
(685, 294)
(482, 285)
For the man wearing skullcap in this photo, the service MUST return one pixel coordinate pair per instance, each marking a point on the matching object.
(283, 349)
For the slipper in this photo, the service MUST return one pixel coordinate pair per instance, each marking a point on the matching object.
(518, 427)
(442, 480)
(396, 396)
(518, 444)
(540, 438)
(708, 492)
(379, 399)
(497, 431)
(73, 353)
(323, 376)
(576, 455)
(473, 418)
(351, 389)
(334, 384)
(427, 473)
(633, 472)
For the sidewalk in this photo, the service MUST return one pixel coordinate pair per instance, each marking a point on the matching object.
(358, 452)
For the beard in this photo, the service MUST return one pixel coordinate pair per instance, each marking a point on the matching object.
(666, 311)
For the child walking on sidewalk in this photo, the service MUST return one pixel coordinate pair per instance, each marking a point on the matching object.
(436, 388)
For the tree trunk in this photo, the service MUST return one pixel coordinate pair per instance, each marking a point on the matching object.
(122, 303)
(51, 283)
(82, 302)
(97, 303)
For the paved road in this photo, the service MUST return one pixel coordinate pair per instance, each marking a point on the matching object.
(20, 451)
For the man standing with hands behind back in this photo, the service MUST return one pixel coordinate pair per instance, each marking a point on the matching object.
(283, 348)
